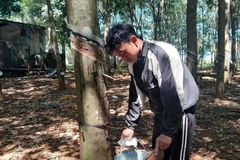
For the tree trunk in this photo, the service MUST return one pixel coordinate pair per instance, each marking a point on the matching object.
(1, 94)
(160, 20)
(1, 67)
(227, 43)
(192, 37)
(90, 89)
(233, 51)
(63, 57)
(203, 40)
(106, 18)
(155, 23)
(60, 69)
(223, 21)
(131, 12)
(167, 29)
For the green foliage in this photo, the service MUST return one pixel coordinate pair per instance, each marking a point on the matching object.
(170, 21)
(206, 27)
(69, 66)
(9, 7)
(34, 12)
(120, 70)
(207, 65)
(59, 15)
(211, 3)
(119, 7)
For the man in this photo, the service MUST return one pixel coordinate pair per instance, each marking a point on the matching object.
(158, 73)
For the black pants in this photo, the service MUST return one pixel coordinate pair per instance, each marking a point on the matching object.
(181, 142)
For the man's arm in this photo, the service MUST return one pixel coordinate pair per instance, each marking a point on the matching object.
(135, 102)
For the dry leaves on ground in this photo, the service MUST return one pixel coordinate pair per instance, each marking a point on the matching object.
(39, 122)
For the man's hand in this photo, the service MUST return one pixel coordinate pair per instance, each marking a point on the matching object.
(162, 143)
(127, 133)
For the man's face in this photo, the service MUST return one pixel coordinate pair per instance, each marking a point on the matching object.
(128, 51)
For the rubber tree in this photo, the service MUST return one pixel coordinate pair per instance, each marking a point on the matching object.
(234, 43)
(1, 94)
(60, 67)
(223, 48)
(9, 7)
(192, 37)
(1, 67)
(90, 88)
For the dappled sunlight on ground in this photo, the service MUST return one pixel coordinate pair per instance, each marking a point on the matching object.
(39, 122)
(217, 130)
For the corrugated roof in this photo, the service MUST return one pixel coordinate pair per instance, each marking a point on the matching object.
(2, 21)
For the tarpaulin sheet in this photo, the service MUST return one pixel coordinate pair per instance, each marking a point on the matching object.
(10, 32)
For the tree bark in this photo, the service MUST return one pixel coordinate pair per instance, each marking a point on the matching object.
(63, 57)
(1, 67)
(192, 37)
(223, 11)
(152, 8)
(131, 10)
(233, 24)
(1, 94)
(227, 44)
(106, 18)
(90, 89)
(160, 20)
(60, 69)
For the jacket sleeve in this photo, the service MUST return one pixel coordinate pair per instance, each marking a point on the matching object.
(169, 72)
(135, 103)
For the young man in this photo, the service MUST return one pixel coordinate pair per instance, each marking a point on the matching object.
(158, 73)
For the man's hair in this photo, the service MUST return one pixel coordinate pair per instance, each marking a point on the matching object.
(118, 34)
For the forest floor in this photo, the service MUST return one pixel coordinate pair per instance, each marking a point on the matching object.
(38, 122)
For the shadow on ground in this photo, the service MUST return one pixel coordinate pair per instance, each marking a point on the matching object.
(218, 121)
(39, 122)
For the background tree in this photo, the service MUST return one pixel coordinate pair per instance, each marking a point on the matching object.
(1, 94)
(234, 44)
(160, 20)
(60, 69)
(192, 37)
(9, 7)
(90, 88)
(1, 68)
(61, 27)
(34, 12)
(223, 22)
(106, 19)
(155, 8)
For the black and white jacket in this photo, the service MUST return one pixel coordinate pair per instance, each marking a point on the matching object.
(160, 75)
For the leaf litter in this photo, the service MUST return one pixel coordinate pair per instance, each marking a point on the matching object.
(38, 122)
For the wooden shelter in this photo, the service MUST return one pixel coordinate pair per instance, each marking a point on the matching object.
(21, 45)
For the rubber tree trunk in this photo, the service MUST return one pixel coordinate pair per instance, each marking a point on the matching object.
(227, 43)
(1, 94)
(63, 57)
(90, 88)
(106, 18)
(60, 68)
(223, 13)
(234, 44)
(192, 37)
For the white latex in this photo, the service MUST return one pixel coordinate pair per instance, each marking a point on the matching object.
(127, 142)
(85, 31)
